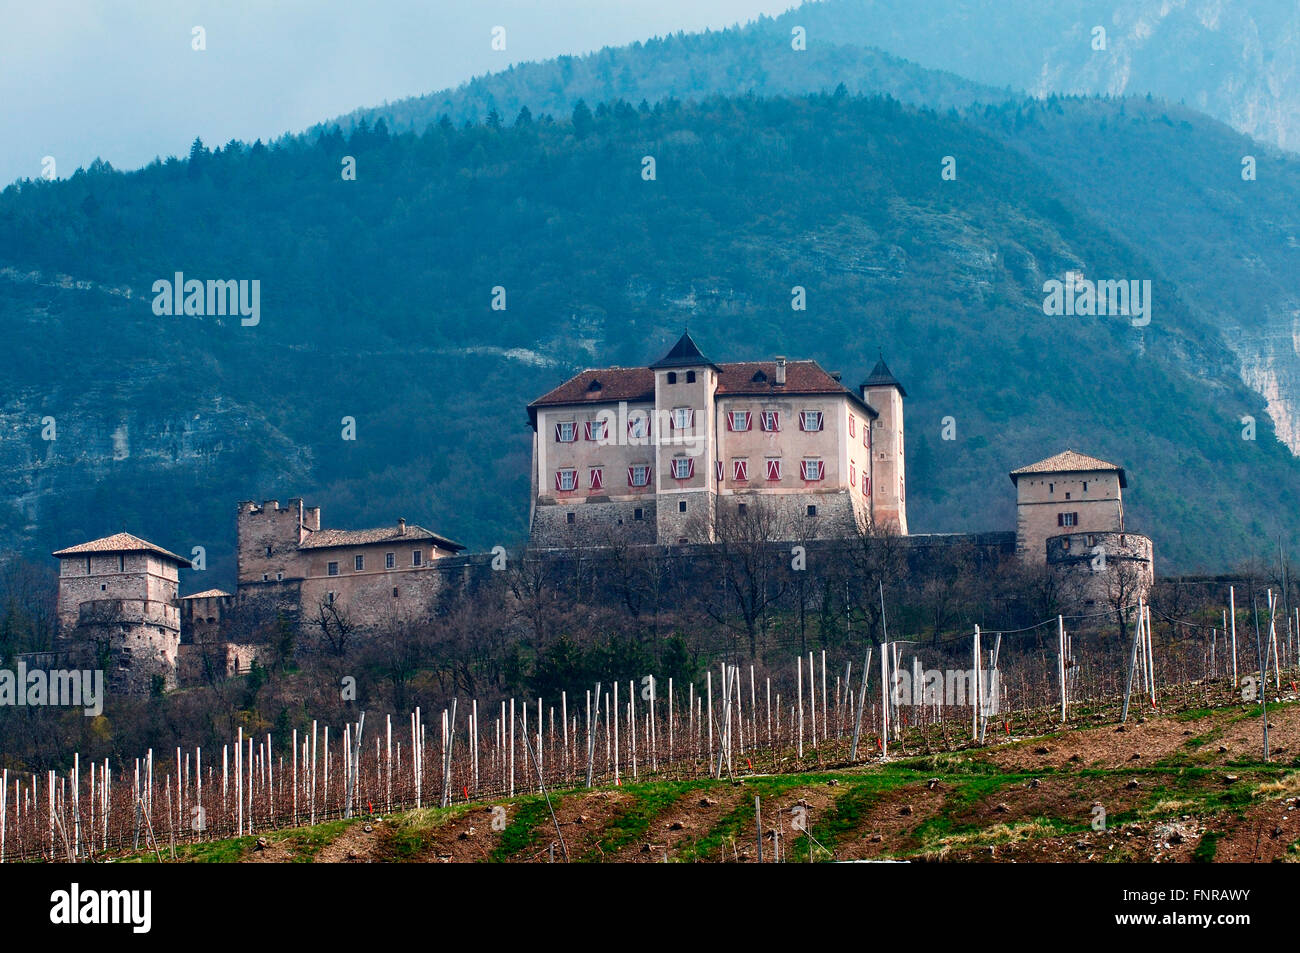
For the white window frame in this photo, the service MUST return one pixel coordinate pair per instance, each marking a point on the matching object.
(772, 417)
(814, 415)
(739, 421)
(740, 469)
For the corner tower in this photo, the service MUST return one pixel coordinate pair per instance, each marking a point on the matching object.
(885, 394)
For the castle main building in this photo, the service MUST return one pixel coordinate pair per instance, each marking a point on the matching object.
(663, 454)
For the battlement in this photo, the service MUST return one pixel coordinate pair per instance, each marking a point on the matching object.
(293, 510)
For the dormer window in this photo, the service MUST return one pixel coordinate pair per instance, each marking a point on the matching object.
(593, 386)
(759, 377)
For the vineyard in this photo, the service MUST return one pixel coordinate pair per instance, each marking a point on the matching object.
(826, 742)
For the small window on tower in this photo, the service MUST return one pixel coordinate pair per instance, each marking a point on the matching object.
(121, 563)
(681, 506)
(569, 518)
(672, 377)
(690, 377)
(638, 514)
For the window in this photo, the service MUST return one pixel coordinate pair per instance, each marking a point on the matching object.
(266, 577)
(566, 480)
(103, 587)
(866, 485)
(566, 431)
(638, 474)
(390, 560)
(742, 508)
(774, 468)
(570, 518)
(596, 478)
(740, 470)
(1085, 486)
(597, 429)
(121, 563)
(394, 592)
(1067, 496)
(87, 565)
(331, 597)
(681, 506)
(1092, 540)
(636, 427)
(810, 420)
(811, 469)
(1051, 488)
(672, 377)
(268, 550)
(866, 437)
(770, 420)
(812, 510)
(853, 426)
(683, 418)
(638, 514)
(690, 377)
(359, 563)
(738, 420)
(333, 569)
(279, 577)
(853, 473)
(683, 468)
(417, 557)
(1067, 519)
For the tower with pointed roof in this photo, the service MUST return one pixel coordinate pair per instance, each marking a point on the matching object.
(685, 384)
(882, 391)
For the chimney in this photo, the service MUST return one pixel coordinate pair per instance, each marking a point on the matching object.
(780, 372)
(401, 527)
(836, 376)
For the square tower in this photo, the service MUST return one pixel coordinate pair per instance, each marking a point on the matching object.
(1067, 493)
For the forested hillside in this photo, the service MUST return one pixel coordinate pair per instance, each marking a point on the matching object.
(376, 296)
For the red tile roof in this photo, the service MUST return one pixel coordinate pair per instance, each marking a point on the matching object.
(122, 543)
(1070, 461)
(329, 538)
(734, 380)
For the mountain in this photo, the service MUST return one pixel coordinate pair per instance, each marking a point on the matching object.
(1235, 62)
(375, 305)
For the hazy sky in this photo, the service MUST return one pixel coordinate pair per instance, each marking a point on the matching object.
(120, 79)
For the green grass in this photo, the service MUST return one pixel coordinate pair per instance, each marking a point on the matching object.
(632, 822)
(523, 827)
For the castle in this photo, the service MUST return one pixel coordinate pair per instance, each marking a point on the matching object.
(666, 455)
(663, 454)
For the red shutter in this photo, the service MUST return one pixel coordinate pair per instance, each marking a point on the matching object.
(1060, 519)
(853, 473)
(774, 469)
(629, 477)
(719, 468)
(557, 433)
(597, 478)
(557, 479)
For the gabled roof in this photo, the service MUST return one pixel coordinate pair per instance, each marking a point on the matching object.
(881, 376)
(330, 538)
(121, 543)
(685, 353)
(1070, 461)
